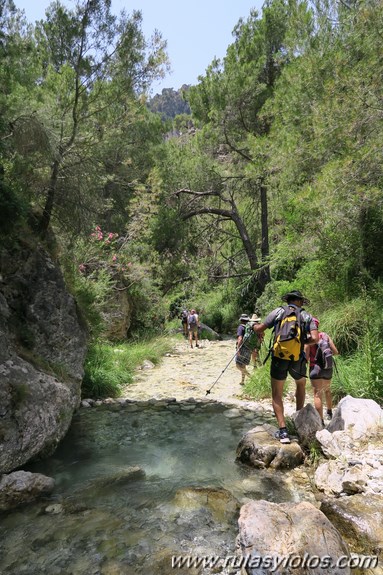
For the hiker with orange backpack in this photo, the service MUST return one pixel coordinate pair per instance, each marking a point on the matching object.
(293, 328)
(320, 357)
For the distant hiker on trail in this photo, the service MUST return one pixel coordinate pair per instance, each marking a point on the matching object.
(242, 358)
(193, 325)
(321, 362)
(293, 328)
(184, 321)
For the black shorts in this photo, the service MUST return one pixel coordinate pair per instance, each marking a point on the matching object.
(281, 367)
(321, 373)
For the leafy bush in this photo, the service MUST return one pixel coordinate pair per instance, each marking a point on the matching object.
(220, 310)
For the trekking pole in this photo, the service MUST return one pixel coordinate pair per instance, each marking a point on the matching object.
(223, 371)
(336, 369)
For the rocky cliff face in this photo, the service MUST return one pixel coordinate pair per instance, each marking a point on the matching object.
(42, 350)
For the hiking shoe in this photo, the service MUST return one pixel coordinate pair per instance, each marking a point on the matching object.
(196, 345)
(283, 436)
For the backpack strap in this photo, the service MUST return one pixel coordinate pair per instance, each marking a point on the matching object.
(277, 320)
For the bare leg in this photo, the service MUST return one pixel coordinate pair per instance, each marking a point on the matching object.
(254, 357)
(277, 394)
(318, 385)
(300, 393)
(191, 338)
(328, 395)
(244, 372)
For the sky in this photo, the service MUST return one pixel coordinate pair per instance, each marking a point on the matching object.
(196, 31)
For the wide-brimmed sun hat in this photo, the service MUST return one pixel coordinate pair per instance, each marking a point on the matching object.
(255, 318)
(244, 317)
(295, 294)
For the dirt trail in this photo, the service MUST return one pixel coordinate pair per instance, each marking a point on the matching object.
(184, 373)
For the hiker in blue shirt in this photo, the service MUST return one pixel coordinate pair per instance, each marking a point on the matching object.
(184, 321)
(281, 363)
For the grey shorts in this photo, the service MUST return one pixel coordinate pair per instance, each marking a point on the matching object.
(243, 356)
(281, 367)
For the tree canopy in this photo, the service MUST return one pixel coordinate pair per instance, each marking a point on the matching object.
(267, 174)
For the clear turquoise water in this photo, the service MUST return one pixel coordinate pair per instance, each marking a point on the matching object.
(134, 526)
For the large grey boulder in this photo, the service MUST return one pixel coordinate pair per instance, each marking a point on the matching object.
(213, 334)
(307, 422)
(259, 448)
(358, 417)
(42, 351)
(271, 535)
(338, 478)
(359, 520)
(357, 450)
(22, 487)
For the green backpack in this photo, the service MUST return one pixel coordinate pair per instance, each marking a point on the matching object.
(250, 337)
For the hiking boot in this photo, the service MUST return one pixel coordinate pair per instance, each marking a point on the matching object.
(329, 414)
(196, 345)
(283, 436)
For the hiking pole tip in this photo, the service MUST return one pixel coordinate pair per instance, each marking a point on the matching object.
(207, 391)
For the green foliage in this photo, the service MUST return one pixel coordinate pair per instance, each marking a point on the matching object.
(12, 208)
(219, 309)
(108, 368)
(258, 385)
(105, 372)
(349, 322)
(315, 453)
(360, 375)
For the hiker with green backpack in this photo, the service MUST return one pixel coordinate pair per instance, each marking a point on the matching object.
(248, 342)
(293, 328)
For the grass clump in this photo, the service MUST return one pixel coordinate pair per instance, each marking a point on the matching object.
(258, 385)
(109, 367)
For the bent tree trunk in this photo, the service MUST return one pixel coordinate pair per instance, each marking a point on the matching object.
(261, 274)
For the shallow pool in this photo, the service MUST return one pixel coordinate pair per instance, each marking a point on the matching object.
(97, 523)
